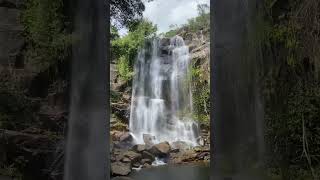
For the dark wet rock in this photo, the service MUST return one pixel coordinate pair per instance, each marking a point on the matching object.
(133, 156)
(113, 159)
(182, 157)
(136, 165)
(146, 165)
(175, 150)
(179, 146)
(147, 155)
(118, 154)
(165, 42)
(122, 111)
(202, 155)
(126, 137)
(126, 160)
(146, 161)
(139, 147)
(119, 168)
(161, 149)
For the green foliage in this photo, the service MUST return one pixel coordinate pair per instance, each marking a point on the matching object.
(125, 49)
(291, 87)
(123, 68)
(201, 95)
(124, 12)
(47, 39)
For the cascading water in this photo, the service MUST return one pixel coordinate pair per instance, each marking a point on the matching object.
(161, 98)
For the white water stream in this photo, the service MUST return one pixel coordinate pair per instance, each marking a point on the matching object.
(161, 104)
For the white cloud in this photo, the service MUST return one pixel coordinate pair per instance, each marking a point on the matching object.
(164, 13)
(167, 12)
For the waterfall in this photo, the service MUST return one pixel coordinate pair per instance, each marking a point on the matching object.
(161, 104)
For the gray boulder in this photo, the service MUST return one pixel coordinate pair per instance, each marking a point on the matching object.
(119, 168)
(139, 147)
(147, 155)
(161, 149)
(126, 137)
(133, 156)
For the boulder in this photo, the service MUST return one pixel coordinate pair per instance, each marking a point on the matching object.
(146, 165)
(147, 155)
(165, 42)
(126, 137)
(182, 157)
(161, 149)
(179, 146)
(139, 147)
(133, 156)
(126, 160)
(136, 165)
(119, 168)
(146, 161)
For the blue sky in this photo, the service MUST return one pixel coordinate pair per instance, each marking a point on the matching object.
(167, 12)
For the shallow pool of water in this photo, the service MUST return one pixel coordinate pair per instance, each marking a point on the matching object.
(174, 172)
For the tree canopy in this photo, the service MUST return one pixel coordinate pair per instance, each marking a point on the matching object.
(125, 11)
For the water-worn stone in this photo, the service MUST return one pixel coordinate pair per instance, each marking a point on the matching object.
(180, 146)
(139, 147)
(146, 161)
(147, 155)
(136, 165)
(146, 165)
(126, 137)
(133, 156)
(126, 160)
(119, 168)
(161, 149)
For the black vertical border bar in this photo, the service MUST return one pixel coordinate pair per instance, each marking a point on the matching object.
(87, 153)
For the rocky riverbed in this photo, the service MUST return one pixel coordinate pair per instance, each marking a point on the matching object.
(126, 156)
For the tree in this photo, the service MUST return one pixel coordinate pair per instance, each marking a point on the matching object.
(203, 9)
(125, 11)
(125, 49)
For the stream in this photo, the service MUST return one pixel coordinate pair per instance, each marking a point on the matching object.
(174, 172)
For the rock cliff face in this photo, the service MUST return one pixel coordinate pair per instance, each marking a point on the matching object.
(11, 29)
(38, 143)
